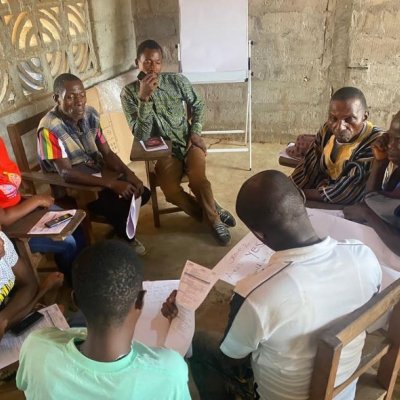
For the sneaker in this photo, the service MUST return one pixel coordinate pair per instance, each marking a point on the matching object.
(138, 247)
(225, 216)
(221, 233)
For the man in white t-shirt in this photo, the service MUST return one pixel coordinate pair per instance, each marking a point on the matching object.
(275, 322)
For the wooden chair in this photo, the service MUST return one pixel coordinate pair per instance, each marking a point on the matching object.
(380, 350)
(31, 173)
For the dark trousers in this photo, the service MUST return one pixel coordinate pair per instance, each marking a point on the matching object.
(115, 209)
(214, 378)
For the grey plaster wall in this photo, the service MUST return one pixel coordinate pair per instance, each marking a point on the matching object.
(114, 41)
(303, 50)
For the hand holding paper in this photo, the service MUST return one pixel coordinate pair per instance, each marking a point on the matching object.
(195, 284)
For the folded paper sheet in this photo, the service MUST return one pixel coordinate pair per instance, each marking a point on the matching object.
(133, 217)
(10, 345)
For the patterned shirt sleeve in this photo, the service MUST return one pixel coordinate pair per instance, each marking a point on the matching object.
(139, 114)
(307, 174)
(49, 146)
(195, 103)
(11, 256)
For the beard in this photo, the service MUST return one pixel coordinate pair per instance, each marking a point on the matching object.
(344, 136)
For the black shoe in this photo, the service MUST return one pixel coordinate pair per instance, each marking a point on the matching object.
(221, 233)
(225, 216)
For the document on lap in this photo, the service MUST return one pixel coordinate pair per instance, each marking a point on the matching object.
(195, 284)
(41, 228)
(248, 257)
(10, 345)
(153, 329)
(133, 217)
(181, 331)
(340, 229)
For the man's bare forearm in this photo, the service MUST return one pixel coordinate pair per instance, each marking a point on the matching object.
(9, 215)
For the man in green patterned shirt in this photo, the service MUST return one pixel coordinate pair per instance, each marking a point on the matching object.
(161, 104)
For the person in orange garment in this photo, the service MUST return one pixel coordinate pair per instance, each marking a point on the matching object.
(13, 207)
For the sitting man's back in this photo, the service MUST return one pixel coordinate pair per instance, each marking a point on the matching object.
(102, 362)
(336, 167)
(276, 320)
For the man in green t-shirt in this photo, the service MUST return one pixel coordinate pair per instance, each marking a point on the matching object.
(166, 105)
(101, 362)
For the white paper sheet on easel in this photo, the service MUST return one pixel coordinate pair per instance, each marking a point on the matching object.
(248, 257)
(195, 284)
(133, 217)
(10, 345)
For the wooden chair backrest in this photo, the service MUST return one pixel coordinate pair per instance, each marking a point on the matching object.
(332, 341)
(16, 133)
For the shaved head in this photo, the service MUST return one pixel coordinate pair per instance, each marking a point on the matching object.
(272, 207)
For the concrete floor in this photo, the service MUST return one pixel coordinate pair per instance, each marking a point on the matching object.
(181, 238)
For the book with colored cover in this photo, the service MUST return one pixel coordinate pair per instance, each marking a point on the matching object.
(154, 144)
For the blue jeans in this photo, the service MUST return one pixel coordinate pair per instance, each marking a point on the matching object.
(65, 251)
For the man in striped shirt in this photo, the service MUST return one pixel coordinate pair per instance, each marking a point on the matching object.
(71, 142)
(336, 167)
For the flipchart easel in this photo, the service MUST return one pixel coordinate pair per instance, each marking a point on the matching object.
(206, 28)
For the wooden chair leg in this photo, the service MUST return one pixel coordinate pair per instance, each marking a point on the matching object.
(152, 181)
(154, 205)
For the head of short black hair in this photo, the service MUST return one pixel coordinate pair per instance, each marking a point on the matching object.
(148, 44)
(106, 279)
(59, 82)
(269, 200)
(349, 92)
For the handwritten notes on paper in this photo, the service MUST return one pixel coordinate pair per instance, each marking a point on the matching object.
(195, 284)
(10, 345)
(41, 228)
(153, 329)
(181, 331)
(249, 256)
(133, 217)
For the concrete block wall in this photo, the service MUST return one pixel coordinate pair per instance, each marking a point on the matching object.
(303, 50)
(375, 45)
(114, 41)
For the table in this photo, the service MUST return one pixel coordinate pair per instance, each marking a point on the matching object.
(138, 153)
(18, 231)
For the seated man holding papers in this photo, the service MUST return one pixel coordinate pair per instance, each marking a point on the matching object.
(102, 362)
(336, 167)
(71, 142)
(19, 290)
(158, 105)
(275, 319)
(381, 206)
